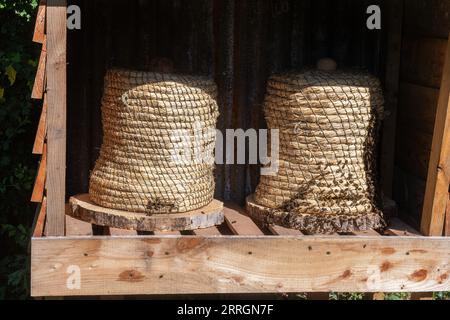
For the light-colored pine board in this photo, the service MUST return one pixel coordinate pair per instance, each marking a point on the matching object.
(238, 221)
(56, 115)
(230, 264)
(75, 227)
(366, 233)
(166, 233)
(436, 193)
(398, 228)
(38, 147)
(447, 218)
(213, 231)
(39, 184)
(39, 28)
(282, 231)
(394, 14)
(39, 80)
(122, 232)
(38, 230)
(83, 208)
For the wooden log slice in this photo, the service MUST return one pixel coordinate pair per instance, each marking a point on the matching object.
(84, 209)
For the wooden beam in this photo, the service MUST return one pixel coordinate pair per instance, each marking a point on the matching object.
(38, 147)
(436, 193)
(39, 184)
(39, 28)
(56, 116)
(237, 264)
(39, 81)
(394, 40)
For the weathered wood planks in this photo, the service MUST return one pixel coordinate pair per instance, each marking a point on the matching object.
(436, 193)
(56, 115)
(230, 264)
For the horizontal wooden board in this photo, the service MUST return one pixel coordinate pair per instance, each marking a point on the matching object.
(423, 60)
(233, 264)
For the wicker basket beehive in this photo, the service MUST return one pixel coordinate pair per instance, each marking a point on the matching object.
(148, 119)
(328, 123)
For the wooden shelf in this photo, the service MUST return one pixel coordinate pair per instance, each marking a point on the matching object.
(237, 257)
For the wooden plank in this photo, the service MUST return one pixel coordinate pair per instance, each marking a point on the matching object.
(234, 264)
(39, 184)
(56, 115)
(122, 232)
(447, 218)
(282, 231)
(422, 60)
(398, 228)
(394, 39)
(39, 80)
(413, 150)
(238, 221)
(38, 230)
(417, 107)
(213, 231)
(436, 193)
(38, 147)
(39, 28)
(75, 227)
(427, 18)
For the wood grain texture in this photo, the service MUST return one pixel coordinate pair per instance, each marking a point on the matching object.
(427, 18)
(422, 60)
(436, 193)
(447, 218)
(232, 264)
(39, 184)
(394, 38)
(39, 28)
(38, 147)
(38, 229)
(56, 116)
(84, 209)
(39, 81)
(401, 229)
(239, 223)
(417, 107)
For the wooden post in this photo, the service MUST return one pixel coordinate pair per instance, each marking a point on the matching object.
(436, 192)
(56, 116)
(394, 41)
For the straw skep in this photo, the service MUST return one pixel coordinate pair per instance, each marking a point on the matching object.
(328, 125)
(137, 169)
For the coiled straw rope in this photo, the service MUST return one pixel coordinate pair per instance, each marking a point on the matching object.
(136, 170)
(328, 122)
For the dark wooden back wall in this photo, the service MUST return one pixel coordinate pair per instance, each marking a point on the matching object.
(239, 43)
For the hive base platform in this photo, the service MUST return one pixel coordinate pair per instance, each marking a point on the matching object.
(82, 208)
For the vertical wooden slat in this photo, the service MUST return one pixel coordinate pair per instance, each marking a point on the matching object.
(38, 147)
(39, 82)
(39, 185)
(40, 220)
(394, 39)
(436, 192)
(39, 28)
(56, 115)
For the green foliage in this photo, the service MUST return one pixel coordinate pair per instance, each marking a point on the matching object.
(18, 61)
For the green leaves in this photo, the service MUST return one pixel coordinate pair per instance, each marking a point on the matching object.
(11, 73)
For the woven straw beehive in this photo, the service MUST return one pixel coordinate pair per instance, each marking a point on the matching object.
(328, 122)
(142, 114)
